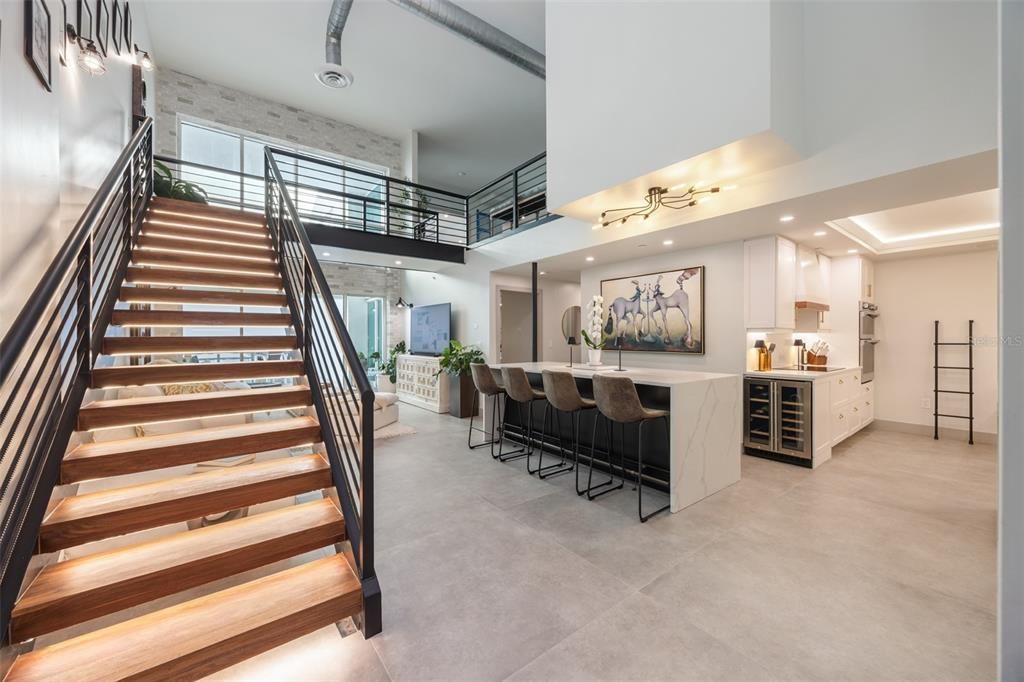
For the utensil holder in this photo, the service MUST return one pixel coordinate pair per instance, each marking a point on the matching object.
(816, 360)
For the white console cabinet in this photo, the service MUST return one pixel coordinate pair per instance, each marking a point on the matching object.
(418, 382)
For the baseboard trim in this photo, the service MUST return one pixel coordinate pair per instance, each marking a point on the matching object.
(926, 430)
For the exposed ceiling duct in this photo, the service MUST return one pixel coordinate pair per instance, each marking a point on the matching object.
(333, 74)
(457, 20)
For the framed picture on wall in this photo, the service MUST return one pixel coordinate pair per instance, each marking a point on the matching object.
(127, 28)
(85, 27)
(102, 25)
(38, 43)
(661, 312)
(62, 42)
(116, 29)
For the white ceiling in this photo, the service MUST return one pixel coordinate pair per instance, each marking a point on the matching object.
(476, 114)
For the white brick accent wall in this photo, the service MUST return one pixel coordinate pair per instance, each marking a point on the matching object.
(179, 93)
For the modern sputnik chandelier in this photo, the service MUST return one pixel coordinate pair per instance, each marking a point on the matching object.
(655, 199)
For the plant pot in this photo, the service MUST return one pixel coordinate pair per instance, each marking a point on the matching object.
(594, 357)
(460, 395)
(384, 384)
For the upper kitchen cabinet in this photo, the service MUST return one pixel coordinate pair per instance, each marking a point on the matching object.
(867, 281)
(769, 268)
(813, 290)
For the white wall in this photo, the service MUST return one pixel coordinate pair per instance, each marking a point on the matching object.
(55, 149)
(724, 332)
(911, 294)
(1011, 431)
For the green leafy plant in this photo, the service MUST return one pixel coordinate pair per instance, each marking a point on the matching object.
(456, 358)
(165, 185)
(390, 366)
(414, 198)
(368, 362)
(595, 343)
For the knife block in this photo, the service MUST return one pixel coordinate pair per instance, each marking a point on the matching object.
(816, 360)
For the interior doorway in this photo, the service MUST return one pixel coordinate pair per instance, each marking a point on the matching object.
(515, 325)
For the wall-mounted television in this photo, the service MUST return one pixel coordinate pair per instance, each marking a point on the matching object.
(430, 329)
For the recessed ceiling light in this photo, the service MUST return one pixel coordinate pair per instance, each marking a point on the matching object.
(326, 253)
(597, 226)
(398, 262)
(667, 242)
(821, 233)
(542, 273)
(851, 251)
(786, 219)
(462, 174)
(590, 259)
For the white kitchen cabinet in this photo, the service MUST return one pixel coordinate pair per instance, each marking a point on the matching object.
(769, 268)
(867, 280)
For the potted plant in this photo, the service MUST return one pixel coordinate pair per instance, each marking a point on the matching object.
(594, 336)
(389, 369)
(164, 185)
(455, 361)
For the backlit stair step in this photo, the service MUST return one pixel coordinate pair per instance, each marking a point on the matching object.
(180, 372)
(108, 513)
(190, 318)
(102, 414)
(75, 591)
(148, 240)
(169, 229)
(132, 455)
(155, 345)
(199, 261)
(200, 278)
(202, 636)
(159, 295)
(192, 209)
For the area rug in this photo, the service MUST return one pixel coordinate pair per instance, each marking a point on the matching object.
(393, 431)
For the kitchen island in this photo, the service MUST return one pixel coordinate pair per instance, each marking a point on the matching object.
(705, 431)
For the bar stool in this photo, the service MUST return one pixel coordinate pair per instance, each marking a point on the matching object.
(563, 396)
(518, 388)
(486, 385)
(619, 402)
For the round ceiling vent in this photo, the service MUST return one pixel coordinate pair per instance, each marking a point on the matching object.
(335, 76)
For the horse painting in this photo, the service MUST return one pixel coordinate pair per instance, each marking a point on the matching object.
(645, 316)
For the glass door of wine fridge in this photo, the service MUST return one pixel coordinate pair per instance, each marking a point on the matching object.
(759, 409)
(793, 418)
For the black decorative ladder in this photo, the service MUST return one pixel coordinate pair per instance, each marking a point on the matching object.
(970, 381)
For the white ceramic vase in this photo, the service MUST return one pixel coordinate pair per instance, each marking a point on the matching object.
(594, 357)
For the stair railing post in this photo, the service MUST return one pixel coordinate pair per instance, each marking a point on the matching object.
(387, 206)
(515, 199)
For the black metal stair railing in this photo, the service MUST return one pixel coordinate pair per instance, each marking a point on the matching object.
(514, 201)
(47, 354)
(341, 391)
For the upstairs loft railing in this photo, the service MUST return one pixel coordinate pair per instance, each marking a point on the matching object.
(338, 383)
(333, 194)
(48, 353)
(516, 200)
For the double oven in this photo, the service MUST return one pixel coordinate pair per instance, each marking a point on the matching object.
(868, 341)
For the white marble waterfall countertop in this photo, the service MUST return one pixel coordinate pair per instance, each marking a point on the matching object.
(705, 414)
(639, 375)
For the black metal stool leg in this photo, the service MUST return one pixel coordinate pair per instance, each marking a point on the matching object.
(507, 456)
(558, 467)
(640, 476)
(591, 495)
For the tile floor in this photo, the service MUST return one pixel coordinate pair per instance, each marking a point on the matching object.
(880, 565)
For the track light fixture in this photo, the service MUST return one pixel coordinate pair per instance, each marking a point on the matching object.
(655, 199)
(143, 59)
(89, 58)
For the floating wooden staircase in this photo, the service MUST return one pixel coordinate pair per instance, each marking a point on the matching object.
(194, 256)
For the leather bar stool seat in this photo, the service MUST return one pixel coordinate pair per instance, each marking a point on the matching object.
(487, 386)
(564, 398)
(518, 388)
(618, 401)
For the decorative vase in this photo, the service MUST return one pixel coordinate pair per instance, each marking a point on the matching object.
(594, 357)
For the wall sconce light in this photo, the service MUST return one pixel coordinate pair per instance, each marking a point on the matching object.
(402, 303)
(143, 59)
(655, 199)
(89, 58)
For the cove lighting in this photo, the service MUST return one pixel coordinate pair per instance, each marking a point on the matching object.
(862, 223)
